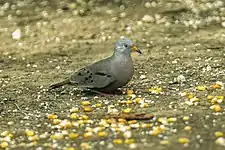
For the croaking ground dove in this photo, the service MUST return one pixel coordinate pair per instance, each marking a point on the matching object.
(108, 74)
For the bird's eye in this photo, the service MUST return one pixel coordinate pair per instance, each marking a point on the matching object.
(125, 45)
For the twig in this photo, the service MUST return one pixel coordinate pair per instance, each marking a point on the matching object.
(132, 116)
(20, 109)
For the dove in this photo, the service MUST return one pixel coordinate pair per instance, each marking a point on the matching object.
(106, 75)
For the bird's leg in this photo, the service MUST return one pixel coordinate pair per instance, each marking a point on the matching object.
(117, 92)
(101, 93)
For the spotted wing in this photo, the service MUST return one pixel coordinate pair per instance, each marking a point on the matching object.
(90, 78)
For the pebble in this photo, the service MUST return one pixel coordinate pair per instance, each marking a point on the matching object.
(220, 141)
(148, 19)
(16, 35)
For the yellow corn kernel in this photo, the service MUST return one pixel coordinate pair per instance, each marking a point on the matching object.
(89, 129)
(184, 93)
(171, 119)
(56, 121)
(108, 121)
(187, 128)
(164, 142)
(74, 110)
(130, 92)
(122, 120)
(132, 121)
(102, 134)
(129, 102)
(118, 141)
(138, 100)
(85, 103)
(80, 122)
(86, 121)
(85, 146)
(33, 138)
(52, 116)
(83, 117)
(194, 99)
(65, 124)
(146, 125)
(5, 133)
(144, 105)
(70, 148)
(190, 95)
(74, 116)
(129, 141)
(216, 86)
(209, 97)
(29, 133)
(217, 108)
(73, 135)
(155, 90)
(214, 101)
(57, 136)
(186, 118)
(160, 120)
(87, 109)
(99, 105)
(155, 132)
(218, 134)
(10, 135)
(220, 97)
(201, 88)
(183, 140)
(87, 135)
(4, 144)
(127, 110)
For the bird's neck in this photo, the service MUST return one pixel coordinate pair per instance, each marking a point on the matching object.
(119, 54)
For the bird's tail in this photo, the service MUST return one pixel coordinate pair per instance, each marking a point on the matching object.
(53, 86)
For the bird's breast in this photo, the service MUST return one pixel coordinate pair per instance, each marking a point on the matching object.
(123, 69)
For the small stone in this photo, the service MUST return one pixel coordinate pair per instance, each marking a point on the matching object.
(180, 79)
(147, 4)
(123, 15)
(4, 145)
(223, 24)
(143, 77)
(133, 146)
(16, 35)
(220, 141)
(148, 19)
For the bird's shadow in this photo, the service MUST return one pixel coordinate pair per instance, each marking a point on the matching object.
(91, 92)
(88, 92)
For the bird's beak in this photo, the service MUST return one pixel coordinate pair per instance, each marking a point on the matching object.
(135, 49)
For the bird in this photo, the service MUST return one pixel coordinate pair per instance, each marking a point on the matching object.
(106, 75)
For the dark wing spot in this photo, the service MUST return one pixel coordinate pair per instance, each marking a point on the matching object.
(88, 71)
(89, 76)
(109, 76)
(101, 74)
(92, 81)
(79, 74)
(86, 78)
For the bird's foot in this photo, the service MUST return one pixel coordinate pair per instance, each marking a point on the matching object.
(107, 94)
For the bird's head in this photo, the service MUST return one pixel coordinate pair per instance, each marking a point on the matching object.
(126, 46)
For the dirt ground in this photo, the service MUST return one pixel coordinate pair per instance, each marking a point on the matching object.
(178, 78)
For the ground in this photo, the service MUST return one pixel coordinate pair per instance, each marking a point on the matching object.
(178, 79)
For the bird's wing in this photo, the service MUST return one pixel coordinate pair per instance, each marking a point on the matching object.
(91, 77)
